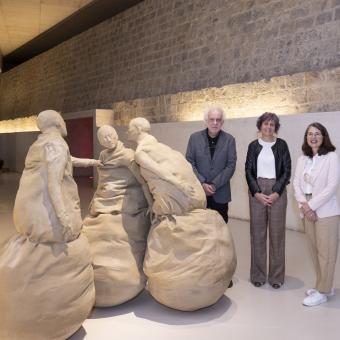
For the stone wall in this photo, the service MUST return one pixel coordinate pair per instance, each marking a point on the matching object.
(315, 91)
(161, 47)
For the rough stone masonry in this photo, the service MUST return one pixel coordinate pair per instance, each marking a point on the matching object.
(159, 48)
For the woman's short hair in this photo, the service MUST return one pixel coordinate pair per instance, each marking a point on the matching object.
(326, 145)
(266, 117)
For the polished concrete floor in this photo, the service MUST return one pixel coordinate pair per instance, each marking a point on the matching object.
(243, 313)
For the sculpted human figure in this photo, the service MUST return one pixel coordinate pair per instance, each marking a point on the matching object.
(116, 165)
(168, 174)
(190, 256)
(118, 223)
(48, 178)
(84, 162)
(49, 288)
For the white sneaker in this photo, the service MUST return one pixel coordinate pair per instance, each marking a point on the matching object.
(315, 299)
(313, 291)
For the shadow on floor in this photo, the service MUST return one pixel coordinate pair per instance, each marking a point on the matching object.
(80, 334)
(334, 301)
(145, 307)
(290, 283)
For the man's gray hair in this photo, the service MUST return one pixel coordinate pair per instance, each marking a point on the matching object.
(211, 109)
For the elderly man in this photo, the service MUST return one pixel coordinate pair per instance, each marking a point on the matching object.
(212, 153)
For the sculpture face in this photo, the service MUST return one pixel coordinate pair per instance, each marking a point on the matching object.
(133, 132)
(107, 137)
(62, 127)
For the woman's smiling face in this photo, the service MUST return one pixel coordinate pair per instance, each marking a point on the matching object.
(314, 138)
(268, 128)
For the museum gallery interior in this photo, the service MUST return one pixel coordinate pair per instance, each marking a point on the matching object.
(169, 169)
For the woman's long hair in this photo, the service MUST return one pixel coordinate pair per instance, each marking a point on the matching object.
(326, 145)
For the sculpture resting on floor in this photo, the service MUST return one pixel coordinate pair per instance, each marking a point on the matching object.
(190, 255)
(46, 285)
(118, 223)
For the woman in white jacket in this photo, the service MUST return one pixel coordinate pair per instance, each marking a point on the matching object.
(315, 184)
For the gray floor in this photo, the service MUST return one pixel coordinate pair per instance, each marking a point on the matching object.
(245, 312)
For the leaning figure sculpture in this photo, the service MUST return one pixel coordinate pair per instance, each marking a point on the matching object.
(118, 223)
(46, 277)
(190, 256)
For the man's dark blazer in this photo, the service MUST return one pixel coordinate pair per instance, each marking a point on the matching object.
(217, 170)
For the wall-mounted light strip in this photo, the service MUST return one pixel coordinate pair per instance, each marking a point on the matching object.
(25, 124)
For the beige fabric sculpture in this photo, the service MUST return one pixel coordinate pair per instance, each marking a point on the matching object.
(46, 277)
(190, 256)
(118, 223)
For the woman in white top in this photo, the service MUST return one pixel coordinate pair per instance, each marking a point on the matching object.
(268, 168)
(315, 184)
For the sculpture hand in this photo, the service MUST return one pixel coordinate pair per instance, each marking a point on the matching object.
(97, 162)
(67, 230)
(187, 189)
(149, 210)
(68, 234)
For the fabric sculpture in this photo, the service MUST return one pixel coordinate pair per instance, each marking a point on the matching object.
(118, 224)
(46, 285)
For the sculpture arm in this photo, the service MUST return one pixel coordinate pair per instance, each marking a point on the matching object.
(146, 162)
(134, 167)
(85, 162)
(56, 158)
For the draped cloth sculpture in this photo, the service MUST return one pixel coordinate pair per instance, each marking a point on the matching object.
(190, 255)
(118, 223)
(46, 277)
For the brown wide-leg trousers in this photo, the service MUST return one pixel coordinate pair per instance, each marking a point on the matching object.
(322, 240)
(274, 218)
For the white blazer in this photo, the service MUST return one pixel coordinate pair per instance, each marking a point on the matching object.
(325, 180)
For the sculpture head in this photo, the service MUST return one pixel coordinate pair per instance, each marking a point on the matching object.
(107, 136)
(137, 127)
(51, 120)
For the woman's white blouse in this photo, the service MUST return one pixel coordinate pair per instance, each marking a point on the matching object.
(308, 174)
(266, 160)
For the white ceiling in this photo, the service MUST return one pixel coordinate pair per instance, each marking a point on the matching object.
(22, 20)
